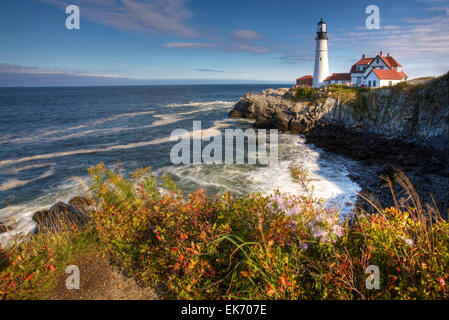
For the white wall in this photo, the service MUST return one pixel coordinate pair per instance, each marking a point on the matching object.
(380, 83)
(377, 65)
(321, 63)
(372, 77)
(386, 83)
(355, 76)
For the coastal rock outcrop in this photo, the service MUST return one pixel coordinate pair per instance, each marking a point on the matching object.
(3, 228)
(403, 127)
(418, 114)
(53, 219)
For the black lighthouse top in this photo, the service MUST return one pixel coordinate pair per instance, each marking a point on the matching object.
(322, 30)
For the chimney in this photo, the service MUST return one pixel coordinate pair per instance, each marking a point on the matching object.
(363, 56)
(381, 53)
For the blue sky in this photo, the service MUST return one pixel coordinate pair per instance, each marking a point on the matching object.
(210, 41)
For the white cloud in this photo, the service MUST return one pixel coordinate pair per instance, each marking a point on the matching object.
(245, 34)
(417, 41)
(154, 16)
(188, 45)
(16, 69)
(252, 49)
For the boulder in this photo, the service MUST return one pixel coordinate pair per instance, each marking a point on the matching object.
(81, 203)
(3, 228)
(59, 215)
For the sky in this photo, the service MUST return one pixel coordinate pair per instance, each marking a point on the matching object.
(127, 42)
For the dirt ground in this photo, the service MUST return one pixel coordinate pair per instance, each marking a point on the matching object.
(100, 280)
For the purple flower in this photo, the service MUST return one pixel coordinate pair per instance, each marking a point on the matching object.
(338, 230)
(408, 241)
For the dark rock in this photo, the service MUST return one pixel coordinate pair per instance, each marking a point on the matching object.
(57, 217)
(81, 203)
(3, 228)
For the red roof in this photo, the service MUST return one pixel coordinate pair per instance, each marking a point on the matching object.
(305, 78)
(361, 62)
(393, 62)
(402, 73)
(364, 62)
(389, 61)
(389, 74)
(339, 76)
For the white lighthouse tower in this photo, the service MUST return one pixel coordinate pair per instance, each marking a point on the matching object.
(321, 58)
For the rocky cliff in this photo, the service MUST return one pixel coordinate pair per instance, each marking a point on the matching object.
(414, 113)
(403, 127)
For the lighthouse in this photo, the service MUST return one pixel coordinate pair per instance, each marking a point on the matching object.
(321, 57)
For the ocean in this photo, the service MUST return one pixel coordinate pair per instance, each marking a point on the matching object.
(49, 137)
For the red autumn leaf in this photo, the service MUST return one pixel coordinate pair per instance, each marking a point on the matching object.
(29, 277)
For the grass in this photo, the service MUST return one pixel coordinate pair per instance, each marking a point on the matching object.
(30, 270)
(252, 247)
(300, 176)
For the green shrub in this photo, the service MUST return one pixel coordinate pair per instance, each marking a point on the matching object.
(306, 94)
(253, 247)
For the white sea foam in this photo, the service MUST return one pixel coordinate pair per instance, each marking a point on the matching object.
(163, 119)
(228, 104)
(20, 216)
(329, 177)
(15, 183)
(50, 132)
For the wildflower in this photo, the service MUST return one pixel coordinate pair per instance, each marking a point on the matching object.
(282, 281)
(271, 291)
(304, 246)
(29, 277)
(408, 241)
(442, 282)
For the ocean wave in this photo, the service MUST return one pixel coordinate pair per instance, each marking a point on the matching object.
(15, 183)
(20, 216)
(329, 177)
(162, 119)
(201, 104)
(50, 132)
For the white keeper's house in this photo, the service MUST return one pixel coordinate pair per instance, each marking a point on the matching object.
(376, 72)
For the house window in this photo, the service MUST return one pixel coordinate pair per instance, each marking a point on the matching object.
(369, 83)
(374, 83)
(390, 83)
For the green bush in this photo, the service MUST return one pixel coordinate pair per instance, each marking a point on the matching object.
(277, 247)
(253, 247)
(306, 94)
